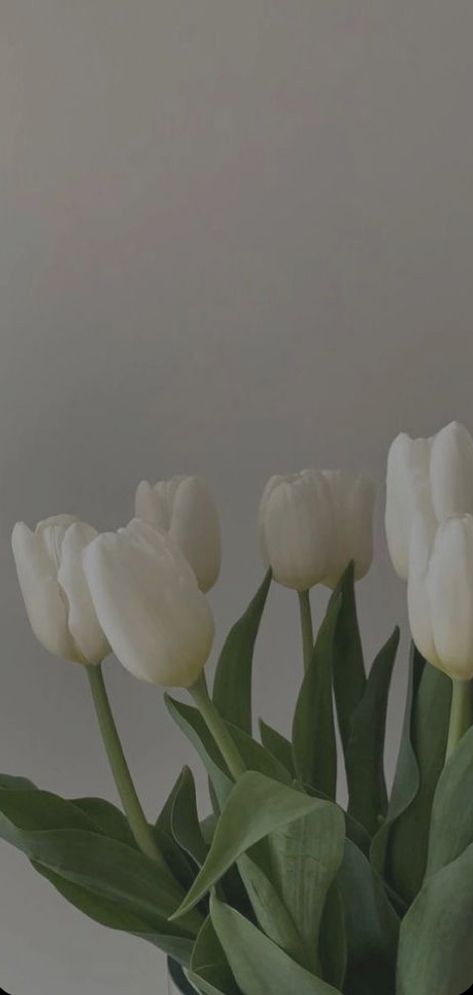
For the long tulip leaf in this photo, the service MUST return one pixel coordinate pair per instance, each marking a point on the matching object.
(349, 679)
(313, 730)
(256, 807)
(451, 826)
(233, 677)
(278, 745)
(259, 965)
(364, 751)
(209, 968)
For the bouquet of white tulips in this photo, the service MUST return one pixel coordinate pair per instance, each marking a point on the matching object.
(278, 890)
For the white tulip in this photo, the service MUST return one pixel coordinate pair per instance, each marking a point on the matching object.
(296, 528)
(54, 588)
(440, 593)
(433, 476)
(184, 507)
(146, 596)
(352, 498)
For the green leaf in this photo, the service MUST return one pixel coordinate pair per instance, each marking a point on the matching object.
(406, 780)
(259, 966)
(179, 978)
(332, 939)
(435, 948)
(232, 684)
(278, 745)
(409, 834)
(107, 819)
(257, 757)
(372, 927)
(209, 967)
(305, 857)
(10, 783)
(190, 721)
(271, 913)
(364, 752)
(114, 915)
(33, 809)
(256, 807)
(185, 824)
(313, 730)
(349, 679)
(451, 826)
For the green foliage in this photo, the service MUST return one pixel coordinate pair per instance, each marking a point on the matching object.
(313, 730)
(280, 891)
(232, 685)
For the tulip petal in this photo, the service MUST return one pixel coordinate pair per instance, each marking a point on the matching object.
(451, 471)
(450, 590)
(195, 527)
(297, 527)
(352, 500)
(148, 604)
(82, 619)
(407, 489)
(419, 607)
(45, 603)
(151, 505)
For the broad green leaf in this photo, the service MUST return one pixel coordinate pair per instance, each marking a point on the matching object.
(349, 679)
(332, 939)
(364, 751)
(451, 826)
(305, 857)
(114, 915)
(33, 809)
(271, 913)
(190, 721)
(232, 684)
(409, 835)
(435, 948)
(10, 783)
(372, 927)
(256, 807)
(313, 730)
(259, 966)
(209, 968)
(355, 832)
(185, 824)
(107, 819)
(278, 745)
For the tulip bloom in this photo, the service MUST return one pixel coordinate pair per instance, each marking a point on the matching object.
(352, 498)
(184, 507)
(440, 593)
(296, 527)
(54, 589)
(146, 596)
(433, 476)
(313, 523)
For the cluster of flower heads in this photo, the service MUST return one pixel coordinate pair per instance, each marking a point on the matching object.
(140, 591)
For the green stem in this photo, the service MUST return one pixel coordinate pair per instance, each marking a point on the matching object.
(217, 728)
(306, 627)
(125, 787)
(461, 713)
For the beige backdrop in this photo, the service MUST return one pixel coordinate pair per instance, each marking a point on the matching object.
(236, 237)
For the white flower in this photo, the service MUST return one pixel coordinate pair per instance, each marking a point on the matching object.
(352, 497)
(433, 476)
(184, 507)
(440, 592)
(156, 619)
(56, 594)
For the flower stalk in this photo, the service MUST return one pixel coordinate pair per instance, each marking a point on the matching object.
(217, 727)
(120, 770)
(306, 627)
(461, 713)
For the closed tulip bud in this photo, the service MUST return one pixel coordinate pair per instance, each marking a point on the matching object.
(184, 507)
(440, 593)
(54, 588)
(296, 527)
(352, 498)
(147, 600)
(432, 476)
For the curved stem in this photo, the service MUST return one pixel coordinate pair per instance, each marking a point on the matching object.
(461, 713)
(217, 727)
(306, 627)
(123, 780)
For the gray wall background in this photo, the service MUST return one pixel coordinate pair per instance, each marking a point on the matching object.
(236, 238)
